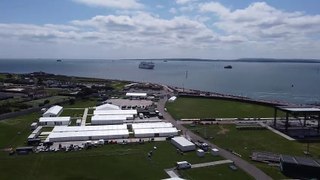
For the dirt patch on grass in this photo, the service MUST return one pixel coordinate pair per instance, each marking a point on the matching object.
(223, 130)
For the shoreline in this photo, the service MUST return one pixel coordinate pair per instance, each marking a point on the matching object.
(180, 91)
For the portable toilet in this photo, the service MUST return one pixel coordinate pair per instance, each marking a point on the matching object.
(215, 152)
(200, 152)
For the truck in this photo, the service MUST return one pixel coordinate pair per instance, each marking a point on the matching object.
(183, 165)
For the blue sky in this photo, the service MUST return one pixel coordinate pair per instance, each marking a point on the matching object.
(223, 29)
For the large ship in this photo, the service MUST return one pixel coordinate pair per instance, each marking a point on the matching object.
(146, 65)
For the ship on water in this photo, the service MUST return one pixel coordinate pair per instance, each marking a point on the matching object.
(146, 65)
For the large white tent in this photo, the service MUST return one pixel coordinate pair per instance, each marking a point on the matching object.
(88, 135)
(157, 132)
(151, 125)
(109, 119)
(107, 107)
(116, 112)
(53, 111)
(133, 94)
(54, 121)
(183, 144)
(88, 128)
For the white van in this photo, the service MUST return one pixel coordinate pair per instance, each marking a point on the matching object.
(183, 165)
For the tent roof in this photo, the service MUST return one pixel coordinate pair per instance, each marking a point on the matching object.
(182, 141)
(54, 110)
(53, 119)
(107, 107)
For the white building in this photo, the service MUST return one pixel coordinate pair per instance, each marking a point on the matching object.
(109, 119)
(87, 135)
(156, 132)
(151, 125)
(54, 121)
(183, 144)
(172, 99)
(136, 95)
(116, 112)
(88, 128)
(54, 111)
(108, 107)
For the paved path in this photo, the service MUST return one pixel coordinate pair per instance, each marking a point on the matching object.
(214, 163)
(244, 165)
(171, 173)
(277, 132)
(84, 117)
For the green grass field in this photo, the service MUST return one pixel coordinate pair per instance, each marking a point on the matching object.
(82, 103)
(72, 112)
(52, 100)
(185, 107)
(245, 142)
(214, 172)
(108, 162)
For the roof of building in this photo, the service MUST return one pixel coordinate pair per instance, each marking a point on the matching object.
(88, 128)
(115, 112)
(110, 117)
(54, 119)
(54, 110)
(107, 107)
(156, 130)
(300, 161)
(182, 141)
(136, 94)
(88, 133)
(151, 125)
(299, 109)
(172, 98)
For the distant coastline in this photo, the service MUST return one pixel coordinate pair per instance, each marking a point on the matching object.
(246, 60)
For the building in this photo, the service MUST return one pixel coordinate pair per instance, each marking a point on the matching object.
(136, 95)
(107, 107)
(300, 167)
(116, 112)
(88, 128)
(172, 99)
(54, 121)
(87, 135)
(110, 119)
(84, 133)
(54, 111)
(151, 125)
(183, 144)
(156, 132)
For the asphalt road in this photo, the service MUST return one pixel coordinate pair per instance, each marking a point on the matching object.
(242, 164)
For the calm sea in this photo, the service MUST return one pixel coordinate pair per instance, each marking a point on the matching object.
(291, 82)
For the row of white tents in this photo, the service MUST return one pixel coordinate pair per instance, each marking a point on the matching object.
(107, 132)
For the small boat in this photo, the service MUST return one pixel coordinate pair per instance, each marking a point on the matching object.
(165, 60)
(59, 60)
(146, 65)
(228, 67)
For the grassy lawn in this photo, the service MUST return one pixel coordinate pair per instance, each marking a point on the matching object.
(118, 85)
(14, 132)
(82, 103)
(72, 112)
(214, 172)
(108, 162)
(53, 100)
(245, 142)
(185, 107)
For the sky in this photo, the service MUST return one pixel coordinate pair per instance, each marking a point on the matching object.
(124, 29)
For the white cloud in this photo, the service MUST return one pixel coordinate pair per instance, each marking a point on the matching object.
(121, 4)
(183, 1)
(217, 32)
(173, 10)
(214, 7)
